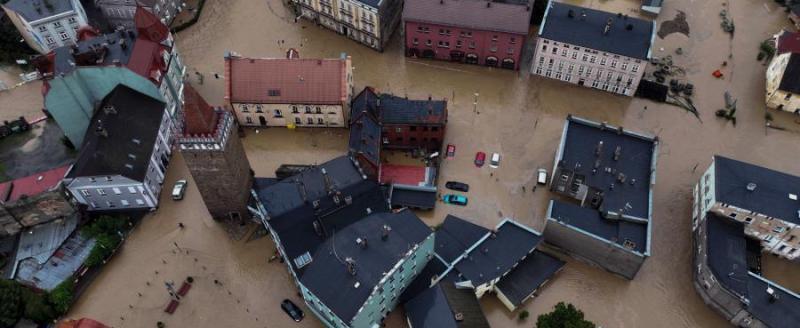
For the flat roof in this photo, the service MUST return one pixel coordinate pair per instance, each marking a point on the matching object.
(771, 193)
(726, 255)
(591, 221)
(581, 26)
(422, 198)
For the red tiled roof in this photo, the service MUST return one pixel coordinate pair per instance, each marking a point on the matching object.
(474, 14)
(788, 42)
(82, 323)
(199, 116)
(402, 174)
(297, 81)
(146, 58)
(149, 26)
(31, 185)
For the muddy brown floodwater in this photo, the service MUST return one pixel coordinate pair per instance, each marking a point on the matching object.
(516, 115)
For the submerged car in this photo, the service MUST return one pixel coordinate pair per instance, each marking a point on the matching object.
(292, 310)
(455, 199)
(179, 189)
(458, 186)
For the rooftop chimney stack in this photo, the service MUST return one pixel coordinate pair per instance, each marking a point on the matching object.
(351, 266)
(385, 233)
(608, 26)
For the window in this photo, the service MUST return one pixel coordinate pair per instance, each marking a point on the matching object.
(302, 260)
(635, 68)
(294, 110)
(139, 202)
(320, 121)
(124, 202)
(399, 130)
(110, 203)
(85, 193)
(245, 109)
(117, 191)
(544, 48)
(132, 190)
(493, 49)
(412, 128)
(278, 112)
(274, 92)
(435, 128)
(459, 43)
(512, 40)
(494, 37)
(100, 191)
(249, 120)
(593, 59)
(416, 41)
(564, 53)
(613, 64)
(72, 20)
(624, 66)
(428, 43)
(298, 121)
(308, 109)
(585, 57)
(574, 55)
(319, 110)
(602, 61)
(510, 51)
(49, 40)
(259, 109)
(57, 24)
(42, 28)
(472, 44)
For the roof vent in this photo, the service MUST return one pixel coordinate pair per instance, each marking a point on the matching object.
(459, 316)
(361, 242)
(357, 284)
(608, 26)
(583, 14)
(369, 210)
(751, 186)
(617, 153)
(351, 265)
(629, 27)
(385, 233)
(793, 196)
(571, 13)
(772, 296)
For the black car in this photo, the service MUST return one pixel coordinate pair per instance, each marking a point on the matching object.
(292, 310)
(455, 185)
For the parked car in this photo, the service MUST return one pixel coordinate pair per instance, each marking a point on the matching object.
(455, 199)
(541, 176)
(458, 186)
(179, 189)
(292, 310)
(451, 151)
(495, 161)
(480, 158)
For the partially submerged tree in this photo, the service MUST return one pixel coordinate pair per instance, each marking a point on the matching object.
(564, 316)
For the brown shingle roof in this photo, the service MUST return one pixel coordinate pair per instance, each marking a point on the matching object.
(199, 116)
(285, 81)
(475, 14)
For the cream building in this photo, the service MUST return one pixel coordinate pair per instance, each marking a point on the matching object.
(593, 48)
(46, 24)
(783, 83)
(370, 22)
(289, 92)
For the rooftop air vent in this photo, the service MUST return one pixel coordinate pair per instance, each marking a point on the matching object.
(459, 316)
(793, 196)
(751, 186)
(361, 242)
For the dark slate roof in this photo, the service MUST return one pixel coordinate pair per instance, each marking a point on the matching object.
(365, 137)
(727, 260)
(592, 221)
(790, 82)
(474, 14)
(421, 198)
(455, 236)
(497, 255)
(399, 110)
(293, 219)
(526, 278)
(137, 117)
(27, 8)
(637, 154)
(588, 31)
(436, 308)
(365, 101)
(107, 44)
(327, 276)
(422, 282)
(771, 196)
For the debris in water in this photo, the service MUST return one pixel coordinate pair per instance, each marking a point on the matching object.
(727, 22)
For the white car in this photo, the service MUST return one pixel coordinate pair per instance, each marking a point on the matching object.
(179, 189)
(495, 161)
(541, 177)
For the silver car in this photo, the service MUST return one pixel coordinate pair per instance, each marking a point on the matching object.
(179, 189)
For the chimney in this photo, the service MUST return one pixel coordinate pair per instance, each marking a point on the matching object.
(583, 14)
(351, 266)
(385, 233)
(361, 242)
(599, 148)
(617, 153)
(571, 13)
(608, 26)
(751, 186)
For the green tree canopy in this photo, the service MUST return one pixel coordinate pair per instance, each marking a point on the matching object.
(564, 316)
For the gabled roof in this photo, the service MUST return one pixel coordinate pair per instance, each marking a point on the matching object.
(285, 81)
(437, 308)
(474, 14)
(199, 116)
(327, 276)
(455, 236)
(33, 10)
(149, 25)
(121, 136)
(365, 101)
(497, 255)
(11, 191)
(365, 137)
(398, 110)
(528, 276)
(627, 36)
(771, 193)
(790, 82)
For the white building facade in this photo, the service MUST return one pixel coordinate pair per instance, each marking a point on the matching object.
(369, 22)
(46, 25)
(119, 13)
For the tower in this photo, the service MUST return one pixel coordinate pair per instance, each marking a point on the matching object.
(215, 157)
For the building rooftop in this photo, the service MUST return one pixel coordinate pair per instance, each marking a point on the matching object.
(344, 290)
(438, 306)
(365, 137)
(498, 253)
(788, 41)
(199, 117)
(586, 27)
(424, 279)
(399, 110)
(33, 10)
(727, 252)
(11, 191)
(285, 81)
(790, 81)
(772, 190)
(609, 172)
(102, 50)
(507, 16)
(528, 276)
(455, 236)
(414, 197)
(121, 136)
(365, 101)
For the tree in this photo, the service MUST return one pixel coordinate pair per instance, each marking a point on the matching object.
(36, 307)
(61, 296)
(103, 247)
(564, 316)
(10, 303)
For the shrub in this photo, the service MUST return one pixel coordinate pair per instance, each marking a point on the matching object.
(61, 296)
(37, 308)
(564, 315)
(524, 315)
(10, 303)
(103, 247)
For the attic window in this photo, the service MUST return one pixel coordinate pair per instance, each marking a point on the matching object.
(302, 260)
(274, 92)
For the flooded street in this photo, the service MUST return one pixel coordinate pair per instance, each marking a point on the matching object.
(517, 116)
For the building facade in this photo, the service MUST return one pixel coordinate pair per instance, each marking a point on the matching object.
(120, 13)
(47, 24)
(216, 158)
(290, 92)
(473, 32)
(593, 49)
(124, 155)
(368, 22)
(783, 82)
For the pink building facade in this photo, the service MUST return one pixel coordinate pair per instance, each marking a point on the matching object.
(465, 45)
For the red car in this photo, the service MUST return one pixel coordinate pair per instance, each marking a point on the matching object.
(480, 158)
(451, 151)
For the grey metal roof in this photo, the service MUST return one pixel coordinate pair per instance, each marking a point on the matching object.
(131, 128)
(33, 10)
(475, 14)
(591, 220)
(771, 193)
(455, 236)
(727, 260)
(526, 278)
(110, 45)
(365, 101)
(586, 29)
(327, 276)
(498, 254)
(790, 81)
(436, 308)
(414, 197)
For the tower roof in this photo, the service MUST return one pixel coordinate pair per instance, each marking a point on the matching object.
(199, 115)
(149, 26)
